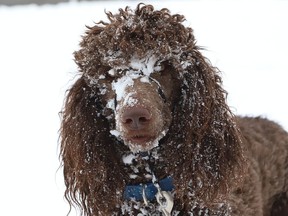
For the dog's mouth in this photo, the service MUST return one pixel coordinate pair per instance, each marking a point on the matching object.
(140, 139)
(140, 142)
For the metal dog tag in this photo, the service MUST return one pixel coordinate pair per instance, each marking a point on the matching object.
(165, 201)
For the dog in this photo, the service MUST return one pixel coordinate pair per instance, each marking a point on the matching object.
(146, 129)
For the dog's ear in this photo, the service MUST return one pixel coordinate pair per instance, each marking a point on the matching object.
(85, 148)
(207, 136)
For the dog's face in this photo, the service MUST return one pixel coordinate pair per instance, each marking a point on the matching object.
(140, 97)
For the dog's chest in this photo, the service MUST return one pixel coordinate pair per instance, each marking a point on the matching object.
(140, 168)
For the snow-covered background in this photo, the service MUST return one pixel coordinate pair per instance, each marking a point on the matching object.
(247, 40)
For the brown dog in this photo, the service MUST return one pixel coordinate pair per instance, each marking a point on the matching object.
(146, 129)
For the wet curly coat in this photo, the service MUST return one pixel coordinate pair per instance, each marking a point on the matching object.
(220, 164)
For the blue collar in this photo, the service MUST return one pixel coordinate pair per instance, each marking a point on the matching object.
(150, 190)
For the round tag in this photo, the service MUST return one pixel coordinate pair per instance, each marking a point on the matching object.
(165, 201)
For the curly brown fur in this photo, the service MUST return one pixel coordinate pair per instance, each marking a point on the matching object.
(202, 149)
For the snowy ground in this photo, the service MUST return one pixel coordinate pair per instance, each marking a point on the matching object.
(247, 40)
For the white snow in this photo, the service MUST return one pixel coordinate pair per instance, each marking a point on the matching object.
(145, 79)
(127, 159)
(115, 133)
(146, 66)
(247, 40)
(120, 86)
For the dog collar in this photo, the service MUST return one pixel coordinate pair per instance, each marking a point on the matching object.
(149, 190)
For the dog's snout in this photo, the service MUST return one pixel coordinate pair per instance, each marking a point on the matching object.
(136, 118)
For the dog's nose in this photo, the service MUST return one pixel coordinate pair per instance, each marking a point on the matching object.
(136, 118)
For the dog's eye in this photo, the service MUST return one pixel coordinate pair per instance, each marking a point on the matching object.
(161, 93)
(116, 73)
(165, 80)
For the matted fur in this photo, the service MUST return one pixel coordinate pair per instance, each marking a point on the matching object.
(203, 149)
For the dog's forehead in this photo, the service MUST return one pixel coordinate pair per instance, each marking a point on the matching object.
(145, 66)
